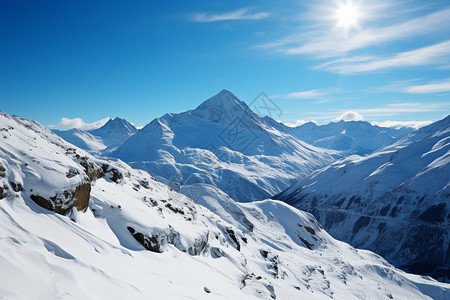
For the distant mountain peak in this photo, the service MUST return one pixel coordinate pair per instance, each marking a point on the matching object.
(222, 107)
(117, 125)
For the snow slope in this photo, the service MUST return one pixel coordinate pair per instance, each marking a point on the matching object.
(394, 202)
(222, 142)
(136, 238)
(101, 140)
(354, 137)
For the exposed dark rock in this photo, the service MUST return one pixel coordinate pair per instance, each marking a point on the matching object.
(72, 173)
(64, 202)
(145, 184)
(41, 201)
(2, 172)
(264, 253)
(207, 290)
(305, 242)
(91, 169)
(112, 173)
(2, 196)
(233, 237)
(198, 246)
(17, 187)
(217, 252)
(310, 230)
(174, 209)
(150, 243)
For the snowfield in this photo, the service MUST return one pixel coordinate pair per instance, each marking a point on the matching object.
(79, 227)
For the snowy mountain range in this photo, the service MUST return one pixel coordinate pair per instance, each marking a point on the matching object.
(394, 202)
(353, 137)
(101, 140)
(224, 143)
(75, 226)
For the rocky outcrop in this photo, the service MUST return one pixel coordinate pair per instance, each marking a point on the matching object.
(112, 173)
(158, 241)
(2, 195)
(63, 202)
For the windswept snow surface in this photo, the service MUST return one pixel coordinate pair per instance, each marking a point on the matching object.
(213, 249)
(222, 142)
(394, 202)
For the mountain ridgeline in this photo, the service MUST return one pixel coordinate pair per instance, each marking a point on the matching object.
(382, 189)
(84, 227)
(394, 202)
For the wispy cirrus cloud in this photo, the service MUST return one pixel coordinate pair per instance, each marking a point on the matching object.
(430, 55)
(240, 14)
(414, 86)
(330, 43)
(346, 52)
(309, 94)
(430, 88)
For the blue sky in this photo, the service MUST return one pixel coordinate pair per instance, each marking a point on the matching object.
(383, 60)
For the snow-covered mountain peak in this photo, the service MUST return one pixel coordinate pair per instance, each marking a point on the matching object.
(101, 140)
(222, 107)
(117, 126)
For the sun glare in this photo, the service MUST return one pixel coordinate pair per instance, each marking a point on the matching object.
(348, 15)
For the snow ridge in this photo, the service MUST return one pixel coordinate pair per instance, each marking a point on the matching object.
(136, 238)
(393, 202)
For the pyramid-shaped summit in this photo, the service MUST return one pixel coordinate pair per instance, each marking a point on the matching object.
(223, 107)
(116, 126)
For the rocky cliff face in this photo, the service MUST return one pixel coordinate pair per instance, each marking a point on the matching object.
(394, 202)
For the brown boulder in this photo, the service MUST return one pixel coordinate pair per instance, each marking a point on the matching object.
(64, 202)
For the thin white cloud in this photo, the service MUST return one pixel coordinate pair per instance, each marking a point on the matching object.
(297, 123)
(349, 116)
(240, 14)
(429, 55)
(400, 124)
(324, 42)
(78, 123)
(311, 94)
(434, 87)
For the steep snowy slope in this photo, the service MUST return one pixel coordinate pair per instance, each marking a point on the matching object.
(394, 202)
(102, 140)
(126, 236)
(223, 142)
(355, 137)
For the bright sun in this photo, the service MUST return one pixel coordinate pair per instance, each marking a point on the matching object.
(348, 15)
